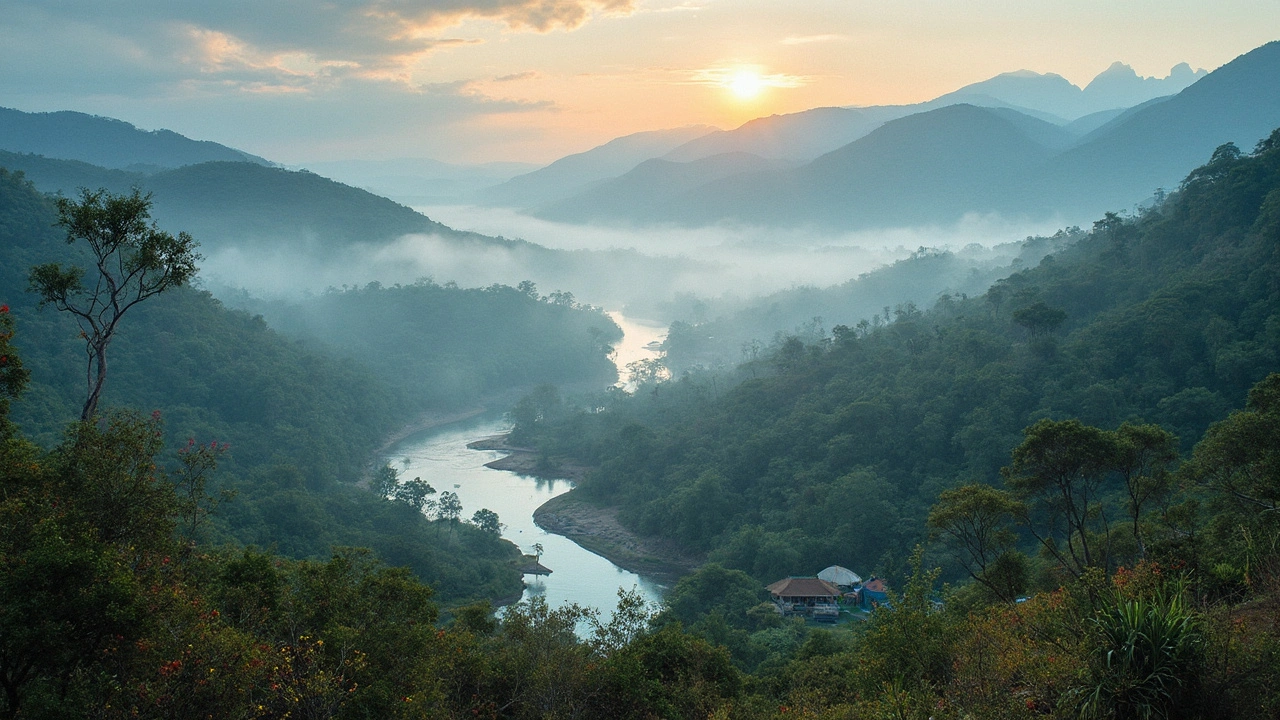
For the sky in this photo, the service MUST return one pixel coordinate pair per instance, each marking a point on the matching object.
(474, 81)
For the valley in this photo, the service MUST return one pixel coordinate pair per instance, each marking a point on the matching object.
(446, 399)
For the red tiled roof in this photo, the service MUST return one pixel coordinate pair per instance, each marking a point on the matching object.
(876, 585)
(803, 587)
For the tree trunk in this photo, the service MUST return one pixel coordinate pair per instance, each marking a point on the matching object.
(95, 392)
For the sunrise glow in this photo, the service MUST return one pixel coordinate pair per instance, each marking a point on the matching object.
(746, 84)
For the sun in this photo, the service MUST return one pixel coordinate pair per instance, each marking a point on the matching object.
(745, 84)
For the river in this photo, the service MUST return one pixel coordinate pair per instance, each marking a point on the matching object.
(640, 339)
(441, 457)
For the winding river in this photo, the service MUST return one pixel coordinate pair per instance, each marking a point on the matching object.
(441, 457)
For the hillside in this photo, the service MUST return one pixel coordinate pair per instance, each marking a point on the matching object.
(302, 421)
(273, 230)
(107, 142)
(798, 136)
(714, 333)
(419, 181)
(239, 203)
(1117, 87)
(1155, 146)
(832, 452)
(442, 346)
(652, 187)
(929, 167)
(573, 173)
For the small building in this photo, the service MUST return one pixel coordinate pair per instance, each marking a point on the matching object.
(874, 592)
(806, 596)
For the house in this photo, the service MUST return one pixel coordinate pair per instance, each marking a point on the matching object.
(806, 596)
(874, 592)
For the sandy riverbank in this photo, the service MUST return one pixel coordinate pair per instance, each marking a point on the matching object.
(594, 528)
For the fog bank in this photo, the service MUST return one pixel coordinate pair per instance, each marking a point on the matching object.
(639, 270)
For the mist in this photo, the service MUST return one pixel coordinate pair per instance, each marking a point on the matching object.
(647, 272)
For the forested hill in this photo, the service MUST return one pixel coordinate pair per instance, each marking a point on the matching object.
(302, 423)
(229, 204)
(441, 345)
(107, 142)
(832, 453)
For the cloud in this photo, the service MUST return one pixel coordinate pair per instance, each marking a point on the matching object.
(288, 79)
(642, 269)
(292, 40)
(528, 75)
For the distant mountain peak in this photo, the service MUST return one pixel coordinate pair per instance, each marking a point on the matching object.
(1183, 70)
(1119, 68)
(1024, 73)
(1180, 75)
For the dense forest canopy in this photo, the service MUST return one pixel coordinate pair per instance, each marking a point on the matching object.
(832, 450)
(441, 344)
(300, 419)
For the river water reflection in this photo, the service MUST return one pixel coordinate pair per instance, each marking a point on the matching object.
(441, 457)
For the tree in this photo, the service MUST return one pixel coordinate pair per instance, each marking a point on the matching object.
(13, 377)
(487, 520)
(974, 521)
(450, 507)
(1144, 455)
(1224, 158)
(385, 481)
(647, 371)
(1240, 457)
(1111, 226)
(1039, 319)
(1059, 471)
(414, 493)
(132, 261)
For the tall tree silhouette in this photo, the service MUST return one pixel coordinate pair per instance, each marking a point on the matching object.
(131, 260)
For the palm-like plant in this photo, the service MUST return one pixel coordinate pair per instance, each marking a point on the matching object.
(1144, 658)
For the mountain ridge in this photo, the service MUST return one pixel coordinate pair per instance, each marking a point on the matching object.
(1116, 165)
(108, 142)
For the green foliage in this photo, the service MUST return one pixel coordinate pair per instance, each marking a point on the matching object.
(487, 520)
(823, 452)
(299, 424)
(112, 605)
(132, 262)
(910, 641)
(414, 493)
(107, 610)
(1059, 470)
(13, 376)
(1240, 457)
(1144, 658)
(976, 524)
(444, 345)
(1039, 319)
